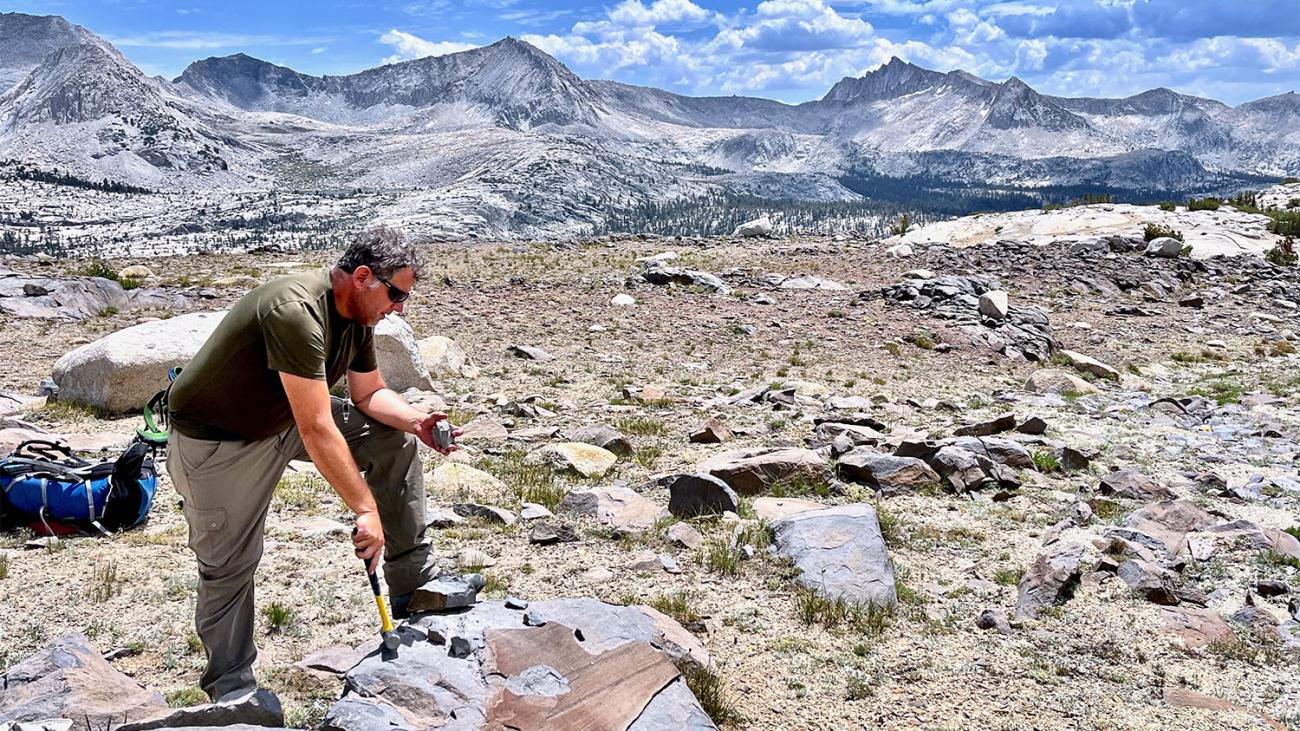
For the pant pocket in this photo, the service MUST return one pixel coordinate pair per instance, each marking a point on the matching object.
(209, 538)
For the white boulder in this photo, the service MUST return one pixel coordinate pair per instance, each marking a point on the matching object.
(445, 359)
(761, 226)
(122, 371)
(399, 356)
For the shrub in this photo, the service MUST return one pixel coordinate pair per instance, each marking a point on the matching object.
(676, 605)
(1293, 203)
(713, 698)
(1203, 204)
(98, 268)
(1290, 180)
(1285, 223)
(1008, 577)
(1168, 205)
(278, 616)
(1155, 231)
(1045, 461)
(186, 697)
(1283, 253)
(900, 226)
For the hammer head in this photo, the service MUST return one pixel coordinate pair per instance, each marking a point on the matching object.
(391, 640)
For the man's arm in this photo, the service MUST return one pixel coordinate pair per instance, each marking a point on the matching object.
(381, 403)
(375, 399)
(309, 399)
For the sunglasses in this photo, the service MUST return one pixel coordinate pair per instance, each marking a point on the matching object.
(396, 295)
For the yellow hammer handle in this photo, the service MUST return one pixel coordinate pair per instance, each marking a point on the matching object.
(383, 613)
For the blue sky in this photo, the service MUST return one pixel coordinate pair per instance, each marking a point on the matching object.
(792, 50)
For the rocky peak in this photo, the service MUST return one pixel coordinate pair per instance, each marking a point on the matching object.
(242, 80)
(25, 41)
(893, 79)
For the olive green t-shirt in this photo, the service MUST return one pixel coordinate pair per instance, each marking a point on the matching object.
(231, 390)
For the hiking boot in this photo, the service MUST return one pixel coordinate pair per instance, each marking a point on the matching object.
(399, 605)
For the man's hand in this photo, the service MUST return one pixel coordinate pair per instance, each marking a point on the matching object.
(424, 430)
(368, 539)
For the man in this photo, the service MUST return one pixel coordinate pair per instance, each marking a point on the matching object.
(257, 395)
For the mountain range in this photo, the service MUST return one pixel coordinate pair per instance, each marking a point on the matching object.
(510, 138)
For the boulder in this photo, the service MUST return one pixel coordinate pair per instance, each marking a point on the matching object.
(995, 619)
(489, 513)
(460, 483)
(809, 282)
(444, 358)
(529, 352)
(1054, 380)
(700, 494)
(623, 299)
(994, 305)
(136, 271)
(1197, 628)
(656, 272)
(122, 371)
(753, 471)
(1164, 247)
(1003, 423)
(775, 508)
(583, 459)
(1133, 485)
(483, 428)
(856, 434)
(616, 507)
(259, 708)
(761, 226)
(1001, 451)
(76, 298)
(445, 593)
(1150, 581)
(491, 666)
(839, 552)
(70, 679)
(399, 356)
(885, 472)
(603, 436)
(712, 431)
(684, 535)
(1088, 364)
(1050, 580)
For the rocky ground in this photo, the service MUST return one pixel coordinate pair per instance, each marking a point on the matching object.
(1181, 370)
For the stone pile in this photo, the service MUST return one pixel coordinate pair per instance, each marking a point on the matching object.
(980, 308)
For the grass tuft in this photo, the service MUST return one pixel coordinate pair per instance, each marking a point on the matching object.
(713, 698)
(676, 605)
(186, 697)
(278, 616)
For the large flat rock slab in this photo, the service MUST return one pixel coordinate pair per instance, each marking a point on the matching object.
(840, 552)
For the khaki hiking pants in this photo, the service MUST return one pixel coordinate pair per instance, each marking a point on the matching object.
(227, 487)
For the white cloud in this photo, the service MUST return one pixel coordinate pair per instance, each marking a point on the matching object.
(409, 46)
(659, 12)
(318, 49)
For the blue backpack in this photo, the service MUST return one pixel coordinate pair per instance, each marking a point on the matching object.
(44, 481)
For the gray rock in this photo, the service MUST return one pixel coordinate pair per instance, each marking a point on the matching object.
(444, 593)
(684, 535)
(700, 494)
(712, 431)
(656, 272)
(604, 436)
(70, 679)
(445, 359)
(1132, 485)
(994, 619)
(490, 513)
(545, 534)
(617, 507)
(533, 511)
(1033, 425)
(398, 354)
(886, 472)
(753, 471)
(122, 371)
(1149, 581)
(1003, 423)
(856, 434)
(258, 708)
(1050, 580)
(529, 352)
(1164, 247)
(994, 305)
(435, 686)
(1089, 365)
(73, 298)
(839, 552)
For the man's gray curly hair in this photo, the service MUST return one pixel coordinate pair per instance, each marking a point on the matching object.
(385, 250)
